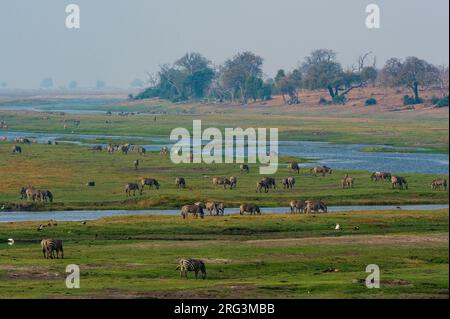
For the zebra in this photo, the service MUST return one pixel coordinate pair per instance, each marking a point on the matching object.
(195, 265)
(133, 187)
(45, 196)
(17, 149)
(50, 246)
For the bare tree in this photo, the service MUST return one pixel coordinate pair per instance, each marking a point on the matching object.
(443, 79)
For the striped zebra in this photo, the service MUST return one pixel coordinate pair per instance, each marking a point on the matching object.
(50, 246)
(195, 265)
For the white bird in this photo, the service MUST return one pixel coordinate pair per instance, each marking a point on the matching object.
(10, 241)
(338, 227)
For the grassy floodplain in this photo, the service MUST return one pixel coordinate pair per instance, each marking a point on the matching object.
(388, 123)
(65, 170)
(269, 256)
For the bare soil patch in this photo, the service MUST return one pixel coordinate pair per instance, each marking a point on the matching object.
(406, 240)
(30, 273)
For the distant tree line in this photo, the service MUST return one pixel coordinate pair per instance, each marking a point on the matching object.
(240, 79)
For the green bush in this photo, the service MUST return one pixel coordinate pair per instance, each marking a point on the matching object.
(339, 99)
(409, 100)
(323, 101)
(371, 101)
(434, 100)
(148, 93)
(442, 102)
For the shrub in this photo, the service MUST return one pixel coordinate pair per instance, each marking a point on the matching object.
(323, 101)
(339, 99)
(148, 94)
(371, 101)
(442, 102)
(409, 100)
(434, 100)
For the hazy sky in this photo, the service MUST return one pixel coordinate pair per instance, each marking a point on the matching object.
(121, 40)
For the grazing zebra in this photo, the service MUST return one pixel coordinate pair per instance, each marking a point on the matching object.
(180, 182)
(195, 265)
(270, 182)
(45, 196)
(262, 185)
(439, 184)
(233, 182)
(50, 246)
(17, 149)
(132, 187)
(288, 183)
(29, 193)
(150, 182)
(220, 207)
(294, 167)
(244, 168)
(195, 210)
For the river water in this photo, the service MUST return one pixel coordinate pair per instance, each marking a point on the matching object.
(337, 156)
(7, 217)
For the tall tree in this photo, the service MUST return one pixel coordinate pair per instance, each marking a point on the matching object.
(192, 62)
(241, 72)
(189, 77)
(289, 84)
(321, 70)
(171, 84)
(198, 74)
(412, 73)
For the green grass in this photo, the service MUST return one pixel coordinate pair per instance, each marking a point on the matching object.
(65, 170)
(308, 124)
(269, 256)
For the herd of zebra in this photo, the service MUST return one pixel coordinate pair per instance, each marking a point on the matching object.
(53, 248)
(400, 182)
(214, 208)
(125, 148)
(263, 185)
(33, 194)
